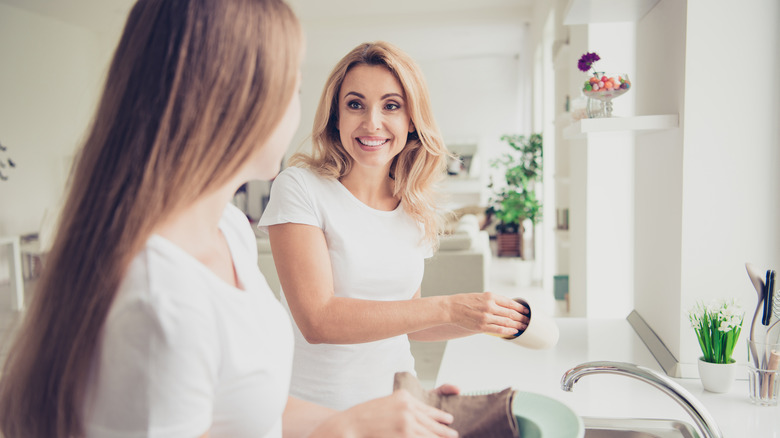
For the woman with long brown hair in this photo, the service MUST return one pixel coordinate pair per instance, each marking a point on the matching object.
(350, 226)
(151, 317)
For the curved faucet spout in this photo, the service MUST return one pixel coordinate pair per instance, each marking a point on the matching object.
(704, 421)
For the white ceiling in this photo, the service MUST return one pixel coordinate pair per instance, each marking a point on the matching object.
(424, 28)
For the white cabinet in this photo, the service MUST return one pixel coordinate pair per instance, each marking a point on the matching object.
(595, 160)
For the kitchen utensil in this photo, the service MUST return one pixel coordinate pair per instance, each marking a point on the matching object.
(774, 316)
(773, 365)
(768, 296)
(756, 279)
(758, 283)
(776, 307)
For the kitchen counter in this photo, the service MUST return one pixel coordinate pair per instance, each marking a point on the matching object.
(484, 362)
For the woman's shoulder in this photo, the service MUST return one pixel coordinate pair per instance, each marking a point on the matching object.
(304, 177)
(297, 172)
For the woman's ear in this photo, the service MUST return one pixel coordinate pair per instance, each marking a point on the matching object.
(411, 126)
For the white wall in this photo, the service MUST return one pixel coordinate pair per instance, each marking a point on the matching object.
(473, 98)
(707, 194)
(660, 89)
(52, 74)
(731, 154)
(473, 65)
(48, 86)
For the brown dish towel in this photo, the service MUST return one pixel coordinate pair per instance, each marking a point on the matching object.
(476, 416)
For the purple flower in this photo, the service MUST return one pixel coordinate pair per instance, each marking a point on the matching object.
(586, 61)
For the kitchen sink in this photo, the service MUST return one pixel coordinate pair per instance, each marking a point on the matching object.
(596, 427)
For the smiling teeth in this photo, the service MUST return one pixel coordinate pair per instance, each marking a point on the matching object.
(372, 142)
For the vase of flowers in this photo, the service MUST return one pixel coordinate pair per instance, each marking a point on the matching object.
(717, 328)
(601, 88)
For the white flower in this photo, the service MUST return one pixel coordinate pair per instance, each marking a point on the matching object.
(726, 326)
(722, 315)
(696, 315)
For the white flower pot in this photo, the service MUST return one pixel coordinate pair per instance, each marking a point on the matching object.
(717, 377)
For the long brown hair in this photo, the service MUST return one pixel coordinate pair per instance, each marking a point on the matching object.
(421, 163)
(195, 86)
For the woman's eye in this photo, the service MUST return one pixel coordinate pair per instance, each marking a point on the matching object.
(392, 106)
(353, 104)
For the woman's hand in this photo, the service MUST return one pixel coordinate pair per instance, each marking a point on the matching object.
(397, 415)
(487, 312)
(447, 389)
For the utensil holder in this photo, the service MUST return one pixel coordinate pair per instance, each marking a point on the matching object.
(763, 372)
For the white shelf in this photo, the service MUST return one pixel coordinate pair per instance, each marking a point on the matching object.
(606, 11)
(581, 128)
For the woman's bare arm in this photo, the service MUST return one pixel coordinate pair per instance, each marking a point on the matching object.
(303, 264)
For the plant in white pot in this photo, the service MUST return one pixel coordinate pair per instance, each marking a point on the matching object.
(717, 328)
(514, 199)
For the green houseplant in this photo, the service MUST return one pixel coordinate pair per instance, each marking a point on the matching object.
(717, 327)
(514, 199)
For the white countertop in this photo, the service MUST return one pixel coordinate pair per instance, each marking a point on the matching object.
(484, 362)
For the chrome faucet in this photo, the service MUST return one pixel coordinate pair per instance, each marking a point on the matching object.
(694, 408)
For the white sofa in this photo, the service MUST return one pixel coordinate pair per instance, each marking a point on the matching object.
(460, 265)
(462, 262)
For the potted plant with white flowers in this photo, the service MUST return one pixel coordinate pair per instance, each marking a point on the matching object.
(717, 326)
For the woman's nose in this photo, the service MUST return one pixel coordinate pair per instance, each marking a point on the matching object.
(373, 120)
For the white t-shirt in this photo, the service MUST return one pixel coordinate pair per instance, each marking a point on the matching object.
(183, 353)
(375, 255)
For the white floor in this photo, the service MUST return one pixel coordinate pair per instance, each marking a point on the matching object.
(504, 279)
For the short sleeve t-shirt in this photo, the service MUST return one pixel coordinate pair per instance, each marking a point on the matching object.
(183, 353)
(375, 255)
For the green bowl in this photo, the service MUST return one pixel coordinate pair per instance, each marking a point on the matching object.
(539, 416)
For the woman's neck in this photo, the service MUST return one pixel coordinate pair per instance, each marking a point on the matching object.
(195, 229)
(372, 187)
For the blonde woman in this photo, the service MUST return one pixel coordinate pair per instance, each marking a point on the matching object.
(151, 317)
(350, 229)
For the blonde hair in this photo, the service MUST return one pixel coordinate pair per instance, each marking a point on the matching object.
(193, 88)
(422, 162)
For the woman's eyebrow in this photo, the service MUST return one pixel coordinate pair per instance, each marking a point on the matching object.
(355, 93)
(389, 95)
(386, 96)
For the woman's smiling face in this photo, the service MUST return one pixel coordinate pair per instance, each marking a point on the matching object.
(373, 119)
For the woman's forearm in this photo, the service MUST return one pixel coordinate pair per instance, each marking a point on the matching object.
(349, 321)
(440, 333)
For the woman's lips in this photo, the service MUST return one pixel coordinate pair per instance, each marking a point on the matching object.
(371, 143)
